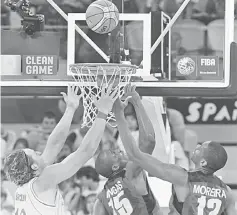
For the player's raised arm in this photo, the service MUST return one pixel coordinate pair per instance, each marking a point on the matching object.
(58, 137)
(146, 130)
(167, 172)
(70, 165)
(231, 203)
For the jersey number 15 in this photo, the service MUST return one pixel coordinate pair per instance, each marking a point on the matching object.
(121, 205)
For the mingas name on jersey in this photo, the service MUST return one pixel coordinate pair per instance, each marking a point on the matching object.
(208, 191)
(114, 189)
(20, 197)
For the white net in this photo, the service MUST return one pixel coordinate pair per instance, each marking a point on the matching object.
(92, 77)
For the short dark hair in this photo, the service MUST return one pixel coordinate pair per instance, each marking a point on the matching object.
(50, 115)
(103, 165)
(216, 156)
(21, 140)
(17, 167)
(89, 172)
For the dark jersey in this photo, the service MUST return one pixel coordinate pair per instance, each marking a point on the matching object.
(207, 195)
(175, 206)
(119, 197)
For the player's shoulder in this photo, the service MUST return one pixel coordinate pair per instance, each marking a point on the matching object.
(221, 182)
(29, 183)
(41, 184)
(229, 194)
(231, 200)
(200, 177)
(102, 194)
(25, 188)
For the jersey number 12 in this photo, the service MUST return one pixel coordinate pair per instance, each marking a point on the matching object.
(214, 204)
(121, 205)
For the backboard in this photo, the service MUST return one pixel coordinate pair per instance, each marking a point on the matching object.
(174, 57)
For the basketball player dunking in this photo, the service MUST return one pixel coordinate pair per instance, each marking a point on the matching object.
(36, 175)
(203, 192)
(127, 190)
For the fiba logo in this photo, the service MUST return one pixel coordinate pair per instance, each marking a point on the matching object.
(186, 66)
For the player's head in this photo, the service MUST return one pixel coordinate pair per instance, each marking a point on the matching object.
(210, 155)
(23, 165)
(109, 161)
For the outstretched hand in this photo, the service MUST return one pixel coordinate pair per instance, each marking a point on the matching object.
(130, 91)
(71, 98)
(105, 103)
(129, 95)
(118, 107)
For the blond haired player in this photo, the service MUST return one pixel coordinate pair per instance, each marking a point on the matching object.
(36, 175)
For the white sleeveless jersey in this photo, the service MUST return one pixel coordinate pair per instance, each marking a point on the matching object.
(27, 203)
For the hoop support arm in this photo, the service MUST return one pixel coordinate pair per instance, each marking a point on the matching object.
(169, 26)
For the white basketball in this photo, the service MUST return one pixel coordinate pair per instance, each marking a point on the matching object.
(102, 16)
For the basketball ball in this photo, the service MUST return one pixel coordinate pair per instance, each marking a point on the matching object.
(102, 16)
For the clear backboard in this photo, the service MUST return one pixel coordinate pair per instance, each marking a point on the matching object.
(173, 56)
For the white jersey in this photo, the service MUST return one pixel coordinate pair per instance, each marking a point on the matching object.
(27, 203)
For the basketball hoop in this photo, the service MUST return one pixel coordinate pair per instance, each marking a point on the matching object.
(92, 77)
